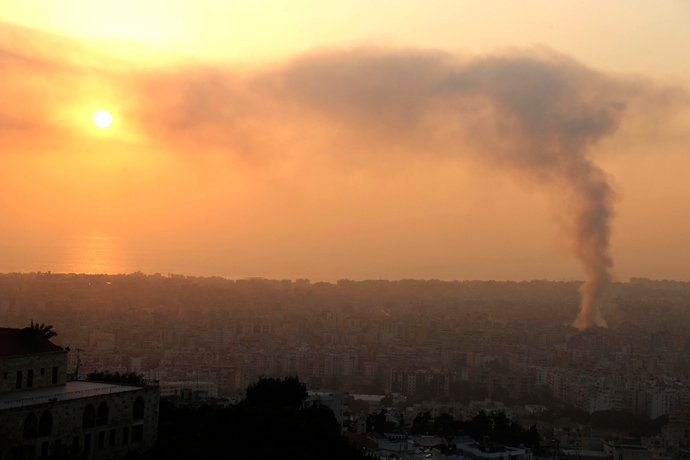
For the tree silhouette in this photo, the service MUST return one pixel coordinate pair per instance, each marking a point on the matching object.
(378, 422)
(422, 423)
(45, 331)
(271, 423)
(501, 430)
(130, 378)
(446, 426)
(268, 391)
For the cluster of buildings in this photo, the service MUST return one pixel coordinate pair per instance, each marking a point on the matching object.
(396, 446)
(428, 340)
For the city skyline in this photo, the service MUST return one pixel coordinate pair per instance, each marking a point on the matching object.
(337, 229)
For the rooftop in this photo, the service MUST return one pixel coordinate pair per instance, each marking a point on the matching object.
(494, 452)
(586, 453)
(14, 342)
(71, 390)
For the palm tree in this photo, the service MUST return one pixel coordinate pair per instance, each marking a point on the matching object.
(43, 330)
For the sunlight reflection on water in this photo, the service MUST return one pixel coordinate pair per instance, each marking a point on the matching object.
(97, 254)
(87, 254)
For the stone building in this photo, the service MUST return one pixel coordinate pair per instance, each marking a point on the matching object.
(43, 413)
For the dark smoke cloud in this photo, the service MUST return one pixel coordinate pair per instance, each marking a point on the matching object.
(557, 109)
(536, 114)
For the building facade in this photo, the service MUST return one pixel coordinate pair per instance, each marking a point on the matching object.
(42, 413)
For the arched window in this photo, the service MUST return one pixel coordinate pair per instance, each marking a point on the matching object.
(30, 426)
(89, 419)
(138, 408)
(45, 426)
(102, 417)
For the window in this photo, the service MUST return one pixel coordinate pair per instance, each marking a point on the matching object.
(111, 441)
(89, 419)
(23, 452)
(125, 436)
(45, 426)
(102, 417)
(44, 449)
(75, 443)
(138, 412)
(101, 440)
(19, 379)
(30, 426)
(55, 375)
(29, 378)
(87, 442)
(137, 433)
(5, 375)
(58, 450)
(43, 371)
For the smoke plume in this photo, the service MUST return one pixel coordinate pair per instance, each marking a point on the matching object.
(556, 110)
(536, 114)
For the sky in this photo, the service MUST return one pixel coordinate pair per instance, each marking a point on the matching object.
(325, 140)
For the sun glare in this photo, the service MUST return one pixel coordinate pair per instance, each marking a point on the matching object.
(102, 119)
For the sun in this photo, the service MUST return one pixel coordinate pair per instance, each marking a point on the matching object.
(102, 119)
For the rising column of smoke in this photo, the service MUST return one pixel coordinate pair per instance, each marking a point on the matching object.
(550, 112)
(534, 113)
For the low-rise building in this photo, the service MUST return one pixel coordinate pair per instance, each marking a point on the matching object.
(475, 451)
(42, 413)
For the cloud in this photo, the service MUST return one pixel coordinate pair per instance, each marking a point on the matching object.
(534, 114)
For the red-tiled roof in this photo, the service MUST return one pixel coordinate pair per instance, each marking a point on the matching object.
(15, 342)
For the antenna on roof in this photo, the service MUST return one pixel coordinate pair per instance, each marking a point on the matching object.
(76, 370)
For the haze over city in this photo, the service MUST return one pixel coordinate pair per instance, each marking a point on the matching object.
(446, 140)
(347, 230)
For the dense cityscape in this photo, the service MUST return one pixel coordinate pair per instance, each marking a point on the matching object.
(439, 230)
(408, 347)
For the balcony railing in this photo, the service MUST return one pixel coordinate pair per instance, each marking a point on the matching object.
(64, 395)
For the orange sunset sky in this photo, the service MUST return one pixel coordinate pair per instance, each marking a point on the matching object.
(343, 139)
